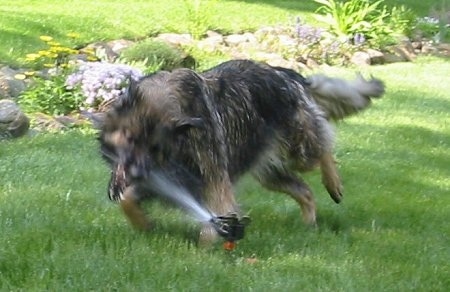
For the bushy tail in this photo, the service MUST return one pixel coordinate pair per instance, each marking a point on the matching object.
(339, 98)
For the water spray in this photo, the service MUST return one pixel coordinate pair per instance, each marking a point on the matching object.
(229, 227)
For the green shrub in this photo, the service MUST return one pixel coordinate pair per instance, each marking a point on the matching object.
(51, 96)
(401, 20)
(155, 55)
(198, 16)
(379, 25)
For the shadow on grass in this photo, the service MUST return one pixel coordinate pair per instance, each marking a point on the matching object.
(419, 7)
(305, 6)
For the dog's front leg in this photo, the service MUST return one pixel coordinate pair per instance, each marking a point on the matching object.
(130, 204)
(219, 199)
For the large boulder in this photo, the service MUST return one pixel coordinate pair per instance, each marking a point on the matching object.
(13, 122)
(10, 87)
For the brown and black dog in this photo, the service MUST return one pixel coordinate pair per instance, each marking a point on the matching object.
(203, 131)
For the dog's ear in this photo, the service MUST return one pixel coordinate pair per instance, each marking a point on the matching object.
(183, 124)
(128, 97)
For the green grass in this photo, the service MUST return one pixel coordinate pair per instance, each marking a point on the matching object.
(59, 231)
(23, 21)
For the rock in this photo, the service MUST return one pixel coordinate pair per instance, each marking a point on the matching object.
(392, 58)
(417, 45)
(276, 60)
(211, 33)
(10, 87)
(251, 38)
(311, 63)
(212, 43)
(268, 30)
(400, 53)
(117, 46)
(235, 39)
(444, 49)
(46, 123)
(101, 49)
(428, 49)
(376, 57)
(286, 41)
(176, 39)
(405, 50)
(360, 58)
(13, 122)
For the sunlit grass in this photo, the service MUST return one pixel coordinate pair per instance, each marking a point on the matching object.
(59, 231)
(23, 21)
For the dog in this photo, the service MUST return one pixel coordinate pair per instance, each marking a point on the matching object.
(203, 131)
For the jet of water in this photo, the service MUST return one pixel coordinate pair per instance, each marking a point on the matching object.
(179, 195)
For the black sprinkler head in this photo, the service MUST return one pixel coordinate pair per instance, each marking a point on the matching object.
(231, 228)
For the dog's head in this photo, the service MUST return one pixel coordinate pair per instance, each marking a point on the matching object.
(147, 125)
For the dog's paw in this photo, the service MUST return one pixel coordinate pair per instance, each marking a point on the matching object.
(208, 236)
(336, 193)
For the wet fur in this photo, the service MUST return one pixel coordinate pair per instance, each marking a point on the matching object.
(204, 131)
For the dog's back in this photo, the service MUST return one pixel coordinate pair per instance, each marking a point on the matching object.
(258, 108)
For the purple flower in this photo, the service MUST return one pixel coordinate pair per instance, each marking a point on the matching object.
(101, 81)
(308, 34)
(359, 39)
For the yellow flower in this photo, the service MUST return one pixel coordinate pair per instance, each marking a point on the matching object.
(20, 76)
(88, 50)
(43, 53)
(54, 44)
(29, 73)
(54, 49)
(49, 65)
(92, 58)
(46, 38)
(73, 35)
(32, 57)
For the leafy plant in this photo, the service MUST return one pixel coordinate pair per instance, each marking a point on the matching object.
(375, 22)
(347, 18)
(401, 20)
(49, 68)
(51, 96)
(198, 15)
(154, 54)
(432, 28)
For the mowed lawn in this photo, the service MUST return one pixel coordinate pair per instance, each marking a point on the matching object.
(23, 21)
(59, 232)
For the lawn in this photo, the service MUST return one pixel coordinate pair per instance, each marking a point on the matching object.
(59, 232)
(23, 21)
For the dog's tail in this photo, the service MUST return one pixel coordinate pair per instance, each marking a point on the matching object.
(339, 98)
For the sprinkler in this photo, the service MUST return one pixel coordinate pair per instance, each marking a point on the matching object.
(231, 228)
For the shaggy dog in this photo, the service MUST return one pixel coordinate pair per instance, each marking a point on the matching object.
(202, 131)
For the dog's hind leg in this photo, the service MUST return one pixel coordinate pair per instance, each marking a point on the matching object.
(289, 183)
(132, 209)
(330, 177)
